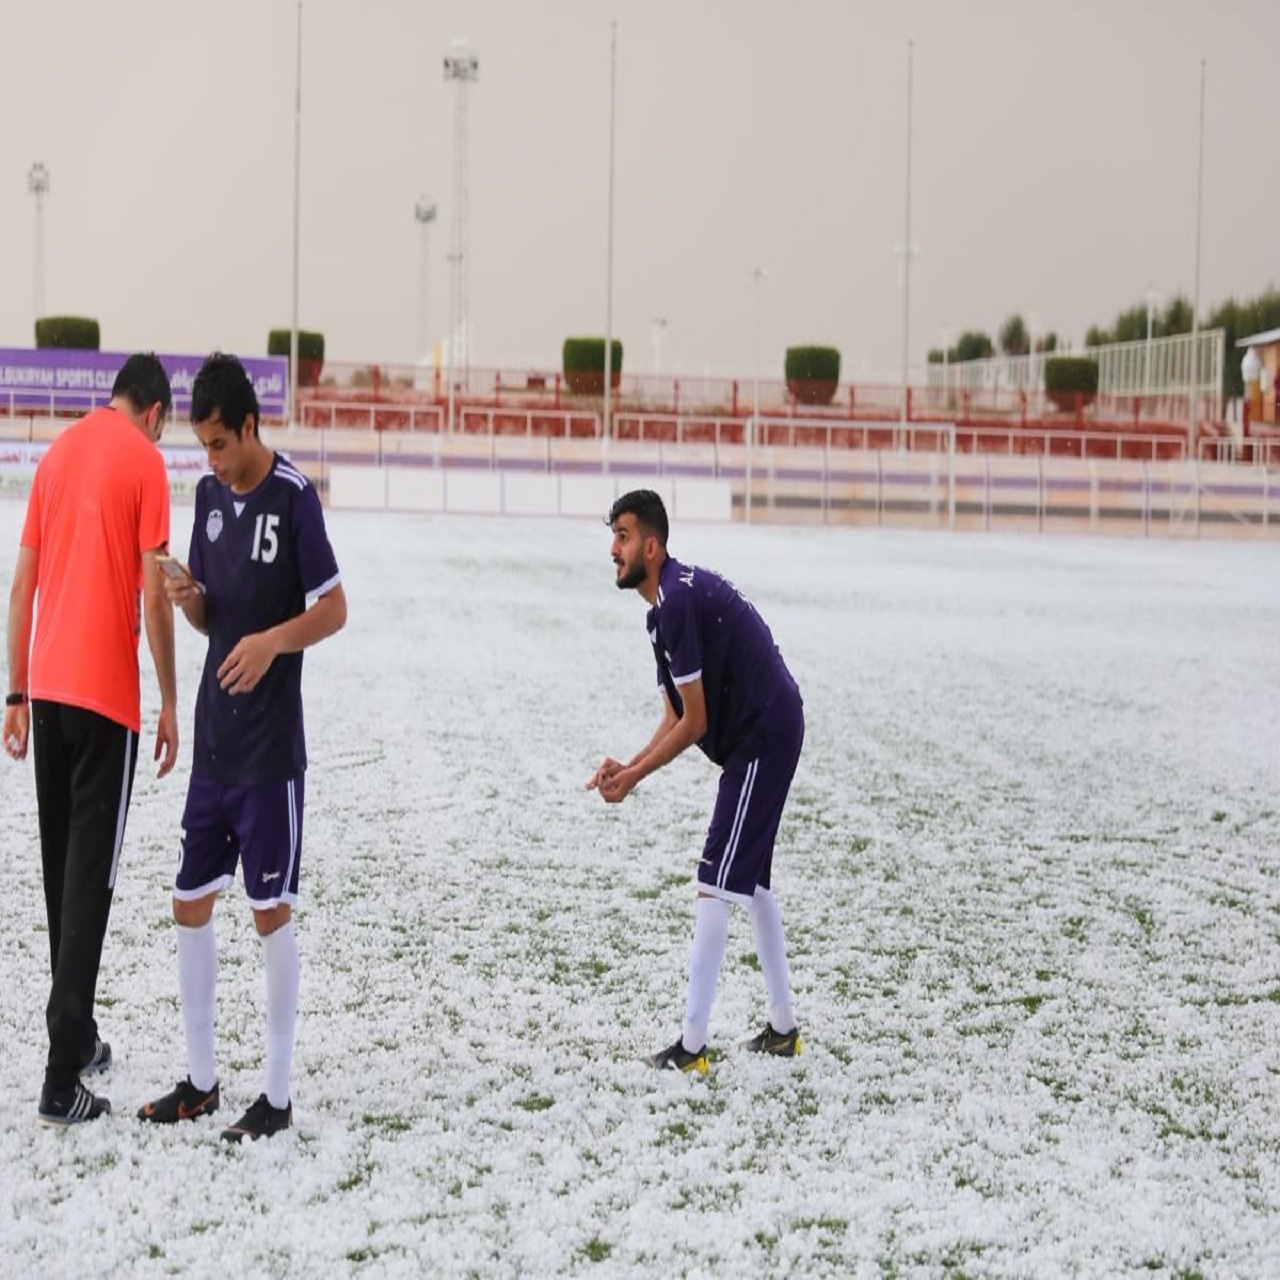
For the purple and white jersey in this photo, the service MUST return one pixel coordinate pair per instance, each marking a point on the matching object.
(260, 557)
(703, 626)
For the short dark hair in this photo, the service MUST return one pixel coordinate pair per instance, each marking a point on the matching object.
(143, 382)
(224, 387)
(648, 510)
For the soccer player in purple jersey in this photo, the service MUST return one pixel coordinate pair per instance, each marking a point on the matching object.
(726, 689)
(259, 556)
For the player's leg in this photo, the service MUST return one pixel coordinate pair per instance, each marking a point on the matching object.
(711, 919)
(99, 758)
(53, 801)
(780, 1035)
(207, 863)
(270, 828)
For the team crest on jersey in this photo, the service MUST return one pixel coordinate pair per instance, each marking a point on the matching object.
(213, 525)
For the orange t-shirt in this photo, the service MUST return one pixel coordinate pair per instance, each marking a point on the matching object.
(99, 500)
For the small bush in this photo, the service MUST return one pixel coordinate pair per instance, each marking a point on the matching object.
(310, 352)
(1070, 381)
(79, 333)
(584, 365)
(310, 343)
(1071, 373)
(812, 364)
(812, 373)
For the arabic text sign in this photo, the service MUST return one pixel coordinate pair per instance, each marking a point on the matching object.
(56, 379)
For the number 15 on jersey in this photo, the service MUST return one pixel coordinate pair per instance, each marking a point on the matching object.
(266, 541)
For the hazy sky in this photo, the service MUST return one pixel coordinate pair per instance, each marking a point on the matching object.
(1053, 170)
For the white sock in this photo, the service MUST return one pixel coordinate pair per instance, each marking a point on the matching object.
(197, 984)
(280, 955)
(710, 937)
(771, 947)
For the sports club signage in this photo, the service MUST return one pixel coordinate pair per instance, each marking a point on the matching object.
(57, 380)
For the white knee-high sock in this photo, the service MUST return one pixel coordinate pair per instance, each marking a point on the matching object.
(771, 947)
(710, 937)
(197, 986)
(280, 955)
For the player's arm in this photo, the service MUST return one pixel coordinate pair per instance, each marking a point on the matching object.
(674, 735)
(158, 614)
(609, 766)
(22, 595)
(182, 589)
(248, 662)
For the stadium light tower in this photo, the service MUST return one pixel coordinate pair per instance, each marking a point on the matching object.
(461, 69)
(38, 185)
(425, 213)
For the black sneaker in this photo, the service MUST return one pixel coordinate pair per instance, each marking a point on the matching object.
(99, 1059)
(782, 1044)
(71, 1106)
(678, 1058)
(183, 1102)
(260, 1121)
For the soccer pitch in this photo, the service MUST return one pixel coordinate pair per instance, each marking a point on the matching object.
(1029, 875)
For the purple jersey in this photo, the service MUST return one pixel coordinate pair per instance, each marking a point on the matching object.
(703, 626)
(259, 556)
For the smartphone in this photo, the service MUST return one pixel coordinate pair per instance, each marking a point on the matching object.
(173, 568)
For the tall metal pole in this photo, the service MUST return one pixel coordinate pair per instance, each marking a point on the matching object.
(461, 68)
(297, 221)
(608, 277)
(757, 275)
(425, 213)
(1195, 305)
(906, 249)
(38, 185)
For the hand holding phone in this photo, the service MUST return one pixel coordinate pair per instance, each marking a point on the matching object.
(175, 569)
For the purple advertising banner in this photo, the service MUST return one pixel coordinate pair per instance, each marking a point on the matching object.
(56, 380)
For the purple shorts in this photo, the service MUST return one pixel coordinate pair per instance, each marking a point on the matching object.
(738, 855)
(260, 827)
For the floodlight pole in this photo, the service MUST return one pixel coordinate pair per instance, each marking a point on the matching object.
(424, 211)
(608, 286)
(758, 274)
(1195, 305)
(906, 251)
(297, 219)
(38, 185)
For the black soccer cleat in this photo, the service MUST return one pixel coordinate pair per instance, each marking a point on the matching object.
(183, 1102)
(678, 1058)
(99, 1060)
(75, 1105)
(260, 1121)
(782, 1044)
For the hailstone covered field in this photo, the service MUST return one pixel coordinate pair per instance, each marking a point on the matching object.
(1030, 876)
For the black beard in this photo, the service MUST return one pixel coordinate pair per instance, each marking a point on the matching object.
(632, 578)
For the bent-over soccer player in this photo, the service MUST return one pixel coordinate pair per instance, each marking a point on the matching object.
(726, 689)
(259, 555)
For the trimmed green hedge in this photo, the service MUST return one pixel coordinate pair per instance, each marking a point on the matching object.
(813, 373)
(1071, 382)
(1071, 373)
(587, 355)
(310, 352)
(310, 343)
(584, 365)
(79, 333)
(812, 364)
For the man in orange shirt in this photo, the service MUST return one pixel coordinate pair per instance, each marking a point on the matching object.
(97, 517)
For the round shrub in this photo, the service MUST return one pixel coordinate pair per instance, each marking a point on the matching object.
(310, 352)
(1071, 381)
(79, 333)
(813, 373)
(584, 365)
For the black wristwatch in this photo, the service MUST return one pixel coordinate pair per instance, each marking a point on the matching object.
(15, 699)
